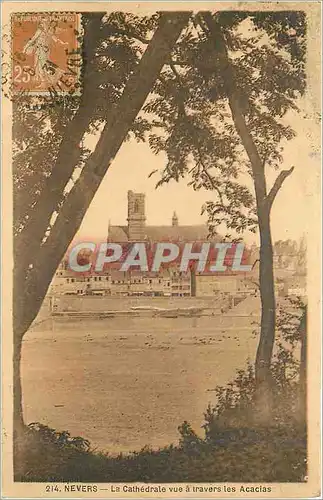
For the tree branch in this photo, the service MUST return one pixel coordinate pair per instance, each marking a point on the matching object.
(183, 113)
(254, 264)
(67, 158)
(213, 29)
(109, 30)
(70, 216)
(277, 185)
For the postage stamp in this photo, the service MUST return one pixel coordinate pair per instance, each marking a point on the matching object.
(46, 52)
(161, 229)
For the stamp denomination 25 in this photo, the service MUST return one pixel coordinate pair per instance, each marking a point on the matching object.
(46, 52)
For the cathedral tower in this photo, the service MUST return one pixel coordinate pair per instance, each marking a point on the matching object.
(136, 216)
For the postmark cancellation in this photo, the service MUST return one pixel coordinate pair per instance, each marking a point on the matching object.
(46, 52)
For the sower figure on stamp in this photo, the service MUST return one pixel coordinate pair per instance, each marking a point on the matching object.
(40, 45)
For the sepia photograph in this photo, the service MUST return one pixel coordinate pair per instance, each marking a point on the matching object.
(161, 229)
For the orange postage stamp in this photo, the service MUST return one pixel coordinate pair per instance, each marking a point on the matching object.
(46, 52)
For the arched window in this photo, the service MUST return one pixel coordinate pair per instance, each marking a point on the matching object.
(136, 206)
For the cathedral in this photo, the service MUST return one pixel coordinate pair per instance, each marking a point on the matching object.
(182, 284)
(168, 282)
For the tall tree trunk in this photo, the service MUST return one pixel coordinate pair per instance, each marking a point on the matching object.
(268, 317)
(263, 202)
(31, 281)
(27, 241)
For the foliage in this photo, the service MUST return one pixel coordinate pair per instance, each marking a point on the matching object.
(187, 114)
(188, 118)
(234, 406)
(271, 455)
(234, 447)
(193, 123)
(61, 439)
(40, 127)
(49, 215)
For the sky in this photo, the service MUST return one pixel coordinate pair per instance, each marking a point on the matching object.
(291, 213)
(295, 205)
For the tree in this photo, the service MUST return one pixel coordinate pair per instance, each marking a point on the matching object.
(219, 113)
(292, 327)
(235, 401)
(55, 176)
(222, 108)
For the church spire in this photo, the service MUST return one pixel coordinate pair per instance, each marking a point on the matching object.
(174, 219)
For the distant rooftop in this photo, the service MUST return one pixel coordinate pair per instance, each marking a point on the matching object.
(163, 233)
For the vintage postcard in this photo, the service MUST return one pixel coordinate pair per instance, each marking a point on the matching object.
(161, 270)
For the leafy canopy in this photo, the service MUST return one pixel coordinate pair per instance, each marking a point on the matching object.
(192, 121)
(187, 115)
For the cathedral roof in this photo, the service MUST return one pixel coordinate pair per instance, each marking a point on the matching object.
(118, 234)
